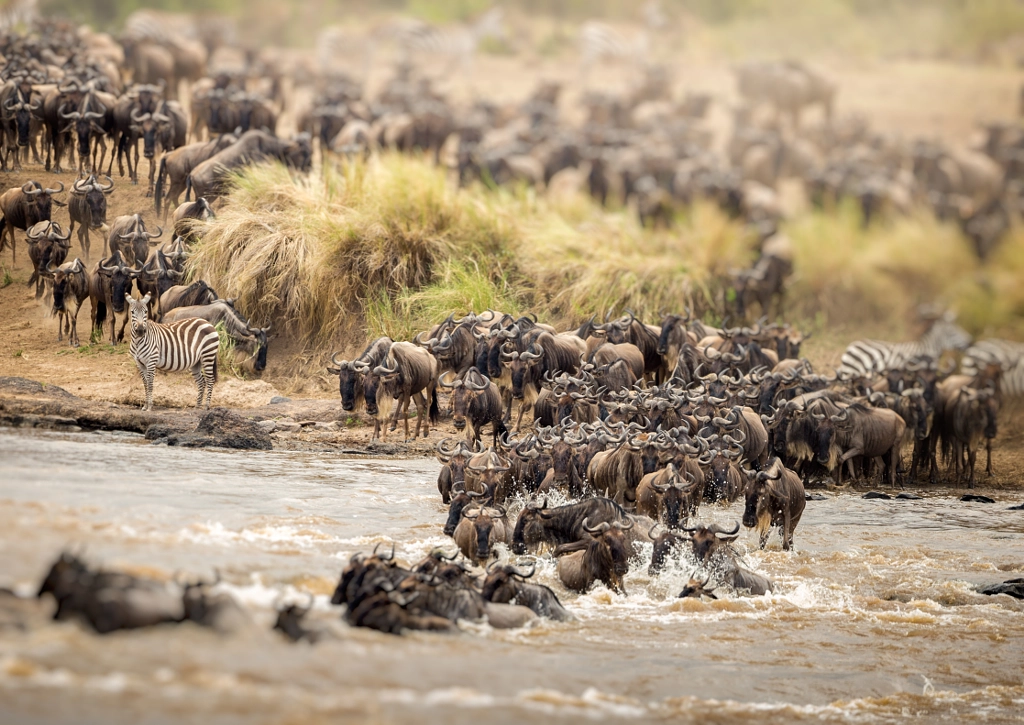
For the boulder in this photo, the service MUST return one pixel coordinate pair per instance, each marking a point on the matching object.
(1013, 587)
(971, 497)
(877, 494)
(218, 428)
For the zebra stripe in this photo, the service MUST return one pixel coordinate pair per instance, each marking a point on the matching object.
(869, 357)
(1009, 356)
(457, 43)
(599, 41)
(185, 345)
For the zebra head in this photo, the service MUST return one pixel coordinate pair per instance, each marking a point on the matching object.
(138, 312)
(945, 334)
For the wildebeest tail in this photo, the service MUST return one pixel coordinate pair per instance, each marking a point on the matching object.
(101, 315)
(188, 188)
(3, 225)
(435, 411)
(160, 183)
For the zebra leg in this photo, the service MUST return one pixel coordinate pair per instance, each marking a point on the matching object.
(147, 373)
(200, 377)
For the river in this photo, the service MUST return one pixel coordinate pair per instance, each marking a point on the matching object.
(875, 619)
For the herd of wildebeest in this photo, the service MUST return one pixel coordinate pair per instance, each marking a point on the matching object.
(641, 425)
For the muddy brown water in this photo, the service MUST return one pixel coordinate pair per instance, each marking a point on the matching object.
(875, 619)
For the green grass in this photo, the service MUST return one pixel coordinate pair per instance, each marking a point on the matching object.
(387, 247)
(7, 279)
(95, 348)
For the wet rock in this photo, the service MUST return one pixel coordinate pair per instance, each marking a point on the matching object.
(877, 494)
(1018, 507)
(24, 386)
(278, 399)
(974, 498)
(385, 448)
(1013, 587)
(815, 497)
(220, 428)
(908, 496)
(46, 422)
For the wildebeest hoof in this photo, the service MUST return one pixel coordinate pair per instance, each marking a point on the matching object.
(975, 498)
(908, 496)
(877, 494)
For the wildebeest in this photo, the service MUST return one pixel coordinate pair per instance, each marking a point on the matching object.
(87, 205)
(351, 372)
(668, 496)
(23, 207)
(207, 178)
(479, 530)
(249, 339)
(871, 433)
(970, 416)
(774, 497)
(110, 280)
(197, 293)
(109, 601)
(453, 470)
(70, 287)
(537, 524)
(47, 244)
(176, 166)
(506, 584)
(603, 555)
(475, 402)
(128, 234)
(408, 373)
(712, 550)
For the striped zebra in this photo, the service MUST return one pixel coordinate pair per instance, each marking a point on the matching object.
(601, 42)
(1009, 356)
(458, 44)
(186, 345)
(865, 358)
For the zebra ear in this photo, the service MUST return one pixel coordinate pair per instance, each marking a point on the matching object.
(128, 298)
(145, 300)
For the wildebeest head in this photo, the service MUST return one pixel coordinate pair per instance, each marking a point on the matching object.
(359, 568)
(48, 244)
(261, 343)
(675, 491)
(39, 201)
(299, 153)
(350, 378)
(697, 588)
(484, 520)
(502, 580)
(21, 107)
(529, 528)
(561, 449)
(464, 393)
(120, 277)
(461, 498)
(95, 197)
(666, 544)
(138, 239)
(289, 621)
(150, 126)
(380, 382)
(718, 464)
(84, 125)
(61, 276)
(759, 483)
(444, 567)
(610, 552)
(706, 540)
(985, 405)
(521, 367)
(64, 571)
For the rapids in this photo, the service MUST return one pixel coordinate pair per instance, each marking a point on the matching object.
(875, 618)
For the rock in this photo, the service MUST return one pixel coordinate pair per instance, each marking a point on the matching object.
(333, 425)
(278, 399)
(815, 497)
(908, 496)
(385, 448)
(286, 426)
(221, 428)
(161, 431)
(877, 494)
(1013, 587)
(1018, 507)
(268, 425)
(24, 386)
(971, 497)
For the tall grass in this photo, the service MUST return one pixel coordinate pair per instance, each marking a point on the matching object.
(387, 247)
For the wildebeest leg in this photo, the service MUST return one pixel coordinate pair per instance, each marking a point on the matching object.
(124, 324)
(972, 456)
(787, 532)
(421, 414)
(988, 456)
(152, 167)
(73, 336)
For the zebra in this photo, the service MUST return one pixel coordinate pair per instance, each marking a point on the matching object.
(599, 41)
(186, 345)
(457, 43)
(864, 358)
(1009, 356)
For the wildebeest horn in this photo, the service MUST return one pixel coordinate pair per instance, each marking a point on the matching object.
(389, 557)
(520, 572)
(716, 529)
(56, 191)
(159, 233)
(108, 188)
(446, 384)
(30, 191)
(600, 528)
